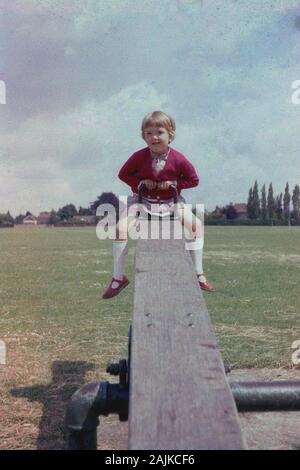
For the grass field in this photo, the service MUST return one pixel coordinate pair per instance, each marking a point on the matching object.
(59, 333)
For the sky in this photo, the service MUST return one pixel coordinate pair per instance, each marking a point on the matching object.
(80, 75)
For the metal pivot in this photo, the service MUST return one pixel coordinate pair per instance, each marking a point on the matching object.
(93, 400)
(102, 398)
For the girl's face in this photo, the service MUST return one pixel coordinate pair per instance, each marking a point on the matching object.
(157, 138)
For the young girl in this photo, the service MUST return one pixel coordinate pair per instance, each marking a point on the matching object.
(157, 166)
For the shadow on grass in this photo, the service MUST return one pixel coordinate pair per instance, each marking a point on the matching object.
(67, 377)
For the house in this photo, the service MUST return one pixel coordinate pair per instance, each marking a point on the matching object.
(44, 218)
(30, 220)
(241, 210)
(217, 214)
(231, 212)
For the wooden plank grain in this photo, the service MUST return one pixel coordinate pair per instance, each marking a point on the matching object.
(179, 395)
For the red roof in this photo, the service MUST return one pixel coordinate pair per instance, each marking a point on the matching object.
(44, 217)
(240, 208)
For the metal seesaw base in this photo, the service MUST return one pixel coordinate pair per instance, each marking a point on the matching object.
(103, 398)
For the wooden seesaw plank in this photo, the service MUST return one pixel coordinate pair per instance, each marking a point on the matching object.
(179, 395)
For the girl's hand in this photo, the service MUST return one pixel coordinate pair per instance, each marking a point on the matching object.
(149, 184)
(164, 185)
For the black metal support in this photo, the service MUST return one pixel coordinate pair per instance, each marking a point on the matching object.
(95, 399)
(267, 396)
(85, 407)
(102, 398)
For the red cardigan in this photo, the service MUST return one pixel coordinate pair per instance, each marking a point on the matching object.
(177, 168)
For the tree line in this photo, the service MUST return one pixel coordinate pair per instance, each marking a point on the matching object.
(283, 208)
(65, 215)
(262, 209)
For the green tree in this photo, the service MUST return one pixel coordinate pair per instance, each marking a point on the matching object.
(286, 203)
(85, 211)
(296, 202)
(108, 198)
(250, 209)
(270, 203)
(230, 212)
(19, 219)
(9, 218)
(6, 219)
(53, 219)
(263, 203)
(67, 212)
(278, 207)
(256, 201)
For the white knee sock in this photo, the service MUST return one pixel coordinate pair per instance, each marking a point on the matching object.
(195, 248)
(120, 252)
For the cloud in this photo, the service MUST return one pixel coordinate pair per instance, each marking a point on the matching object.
(81, 75)
(77, 155)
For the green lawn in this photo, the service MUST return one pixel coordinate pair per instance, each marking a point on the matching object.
(256, 309)
(51, 282)
(52, 316)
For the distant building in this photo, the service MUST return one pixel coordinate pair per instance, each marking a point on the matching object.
(241, 210)
(218, 212)
(231, 211)
(30, 220)
(44, 218)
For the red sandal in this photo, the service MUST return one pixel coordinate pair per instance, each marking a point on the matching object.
(115, 287)
(205, 285)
